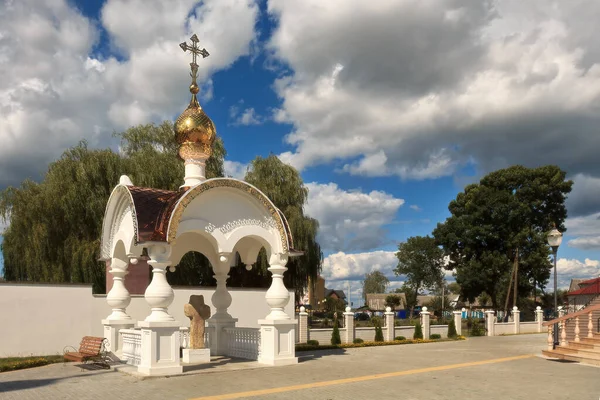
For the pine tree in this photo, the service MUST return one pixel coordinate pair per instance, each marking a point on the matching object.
(452, 330)
(418, 331)
(335, 335)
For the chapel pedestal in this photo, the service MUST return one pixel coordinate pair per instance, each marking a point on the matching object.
(277, 342)
(196, 356)
(160, 348)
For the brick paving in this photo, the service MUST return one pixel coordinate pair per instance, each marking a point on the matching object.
(519, 379)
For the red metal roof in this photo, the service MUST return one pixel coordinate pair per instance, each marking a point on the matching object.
(153, 208)
(592, 287)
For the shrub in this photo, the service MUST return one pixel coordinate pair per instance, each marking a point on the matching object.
(358, 340)
(376, 321)
(477, 329)
(452, 330)
(378, 333)
(335, 335)
(399, 338)
(312, 342)
(418, 331)
(435, 336)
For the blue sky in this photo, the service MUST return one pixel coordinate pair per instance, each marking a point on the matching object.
(387, 109)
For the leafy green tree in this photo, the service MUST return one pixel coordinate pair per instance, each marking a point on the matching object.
(392, 301)
(501, 222)
(438, 306)
(410, 295)
(374, 282)
(454, 288)
(420, 260)
(335, 335)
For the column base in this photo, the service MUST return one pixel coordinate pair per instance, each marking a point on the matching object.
(218, 340)
(277, 339)
(111, 334)
(160, 348)
(196, 356)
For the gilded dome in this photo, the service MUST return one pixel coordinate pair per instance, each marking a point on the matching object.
(194, 127)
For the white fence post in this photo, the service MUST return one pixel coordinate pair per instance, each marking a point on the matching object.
(349, 322)
(458, 321)
(389, 325)
(489, 320)
(303, 325)
(561, 311)
(425, 322)
(516, 319)
(539, 317)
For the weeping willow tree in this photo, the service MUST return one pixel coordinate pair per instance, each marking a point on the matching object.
(284, 186)
(54, 231)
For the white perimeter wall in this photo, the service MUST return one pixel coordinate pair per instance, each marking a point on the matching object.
(41, 319)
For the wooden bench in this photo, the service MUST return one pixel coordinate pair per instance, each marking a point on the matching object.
(90, 349)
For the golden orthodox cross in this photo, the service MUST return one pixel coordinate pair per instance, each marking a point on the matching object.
(194, 49)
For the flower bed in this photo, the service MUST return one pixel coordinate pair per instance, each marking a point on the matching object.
(310, 347)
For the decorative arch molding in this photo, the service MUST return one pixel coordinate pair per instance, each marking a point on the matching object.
(248, 189)
(120, 204)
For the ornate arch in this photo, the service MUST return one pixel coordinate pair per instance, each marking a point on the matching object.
(247, 188)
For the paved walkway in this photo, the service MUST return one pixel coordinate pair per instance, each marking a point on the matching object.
(480, 368)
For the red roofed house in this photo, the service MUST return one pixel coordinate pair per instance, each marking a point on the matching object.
(581, 293)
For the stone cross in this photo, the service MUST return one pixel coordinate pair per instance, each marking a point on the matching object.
(197, 312)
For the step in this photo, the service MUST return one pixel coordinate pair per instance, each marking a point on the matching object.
(570, 357)
(580, 345)
(591, 353)
(594, 340)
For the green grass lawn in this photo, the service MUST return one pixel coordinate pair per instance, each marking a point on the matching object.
(14, 363)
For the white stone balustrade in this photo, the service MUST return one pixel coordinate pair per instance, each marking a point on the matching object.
(243, 342)
(132, 346)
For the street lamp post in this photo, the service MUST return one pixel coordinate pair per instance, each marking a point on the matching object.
(554, 240)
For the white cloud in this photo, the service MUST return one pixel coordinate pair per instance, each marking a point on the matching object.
(415, 207)
(419, 90)
(585, 243)
(235, 169)
(572, 268)
(248, 117)
(586, 230)
(342, 266)
(61, 93)
(351, 220)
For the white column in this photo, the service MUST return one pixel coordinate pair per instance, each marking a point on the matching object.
(489, 320)
(159, 294)
(349, 322)
(160, 331)
(277, 296)
(516, 319)
(221, 300)
(425, 322)
(118, 299)
(457, 321)
(539, 317)
(389, 325)
(277, 330)
(303, 325)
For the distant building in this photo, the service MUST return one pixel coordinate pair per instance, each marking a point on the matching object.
(376, 301)
(581, 292)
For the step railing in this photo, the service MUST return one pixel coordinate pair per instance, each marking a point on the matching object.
(584, 321)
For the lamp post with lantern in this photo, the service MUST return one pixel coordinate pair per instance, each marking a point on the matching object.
(554, 240)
